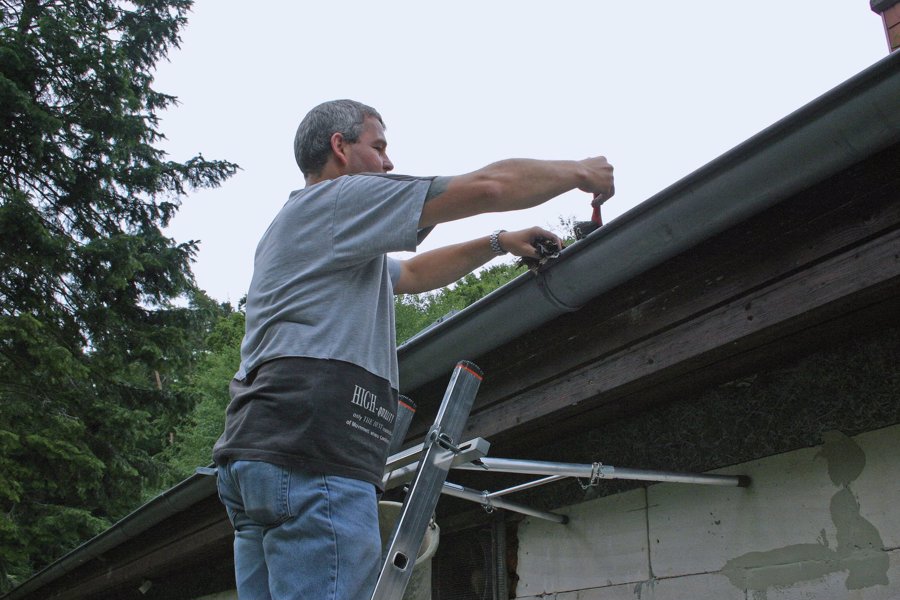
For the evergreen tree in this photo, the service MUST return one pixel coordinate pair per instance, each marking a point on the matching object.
(207, 388)
(90, 337)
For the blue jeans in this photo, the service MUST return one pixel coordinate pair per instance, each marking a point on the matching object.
(299, 535)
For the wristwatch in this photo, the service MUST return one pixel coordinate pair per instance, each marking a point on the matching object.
(495, 243)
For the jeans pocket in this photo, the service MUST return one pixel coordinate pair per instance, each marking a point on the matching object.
(263, 487)
(228, 495)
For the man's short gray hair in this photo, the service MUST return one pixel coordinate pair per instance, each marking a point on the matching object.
(312, 142)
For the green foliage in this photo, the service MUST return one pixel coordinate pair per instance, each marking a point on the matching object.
(415, 312)
(92, 341)
(207, 386)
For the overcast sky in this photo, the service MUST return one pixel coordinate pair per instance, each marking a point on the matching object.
(659, 88)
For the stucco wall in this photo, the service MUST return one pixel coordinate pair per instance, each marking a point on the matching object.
(821, 522)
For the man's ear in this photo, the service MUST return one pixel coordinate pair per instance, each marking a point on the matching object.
(339, 148)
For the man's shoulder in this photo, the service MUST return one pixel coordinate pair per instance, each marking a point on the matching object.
(392, 177)
(349, 183)
(382, 181)
(372, 187)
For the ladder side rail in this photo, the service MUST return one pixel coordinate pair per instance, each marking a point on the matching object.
(425, 490)
(406, 410)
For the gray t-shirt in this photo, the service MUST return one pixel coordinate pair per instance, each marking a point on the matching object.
(317, 387)
(322, 284)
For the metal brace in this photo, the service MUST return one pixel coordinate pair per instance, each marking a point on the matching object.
(446, 442)
(596, 469)
(435, 436)
(486, 502)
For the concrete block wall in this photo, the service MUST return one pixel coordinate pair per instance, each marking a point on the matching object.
(820, 522)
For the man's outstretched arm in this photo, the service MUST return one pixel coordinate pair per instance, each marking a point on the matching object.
(516, 184)
(436, 268)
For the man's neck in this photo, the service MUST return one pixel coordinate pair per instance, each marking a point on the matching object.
(329, 171)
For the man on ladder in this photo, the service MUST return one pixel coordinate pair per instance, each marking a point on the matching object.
(314, 401)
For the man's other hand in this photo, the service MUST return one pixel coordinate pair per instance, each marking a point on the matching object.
(523, 242)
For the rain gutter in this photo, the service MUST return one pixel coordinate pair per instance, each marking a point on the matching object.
(844, 126)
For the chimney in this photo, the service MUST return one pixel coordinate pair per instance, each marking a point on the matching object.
(890, 14)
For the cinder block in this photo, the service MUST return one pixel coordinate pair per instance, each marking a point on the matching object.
(815, 523)
(697, 587)
(833, 587)
(697, 529)
(616, 592)
(824, 514)
(604, 544)
(878, 486)
(694, 587)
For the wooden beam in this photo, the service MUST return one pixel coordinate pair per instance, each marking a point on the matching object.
(799, 296)
(751, 256)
